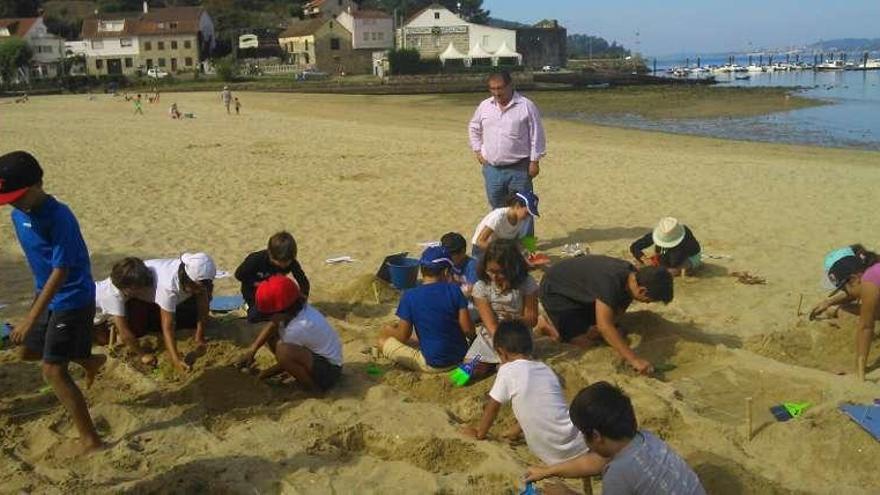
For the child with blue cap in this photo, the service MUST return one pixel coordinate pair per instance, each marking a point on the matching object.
(509, 222)
(437, 312)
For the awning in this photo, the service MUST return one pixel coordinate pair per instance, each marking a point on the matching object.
(506, 52)
(451, 53)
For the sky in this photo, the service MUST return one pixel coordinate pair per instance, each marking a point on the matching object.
(702, 26)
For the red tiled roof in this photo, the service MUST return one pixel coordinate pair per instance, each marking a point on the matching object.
(171, 20)
(313, 4)
(18, 26)
(370, 14)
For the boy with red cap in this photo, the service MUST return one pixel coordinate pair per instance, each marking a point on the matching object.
(58, 326)
(304, 344)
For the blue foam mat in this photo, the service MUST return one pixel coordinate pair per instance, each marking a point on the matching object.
(226, 303)
(867, 416)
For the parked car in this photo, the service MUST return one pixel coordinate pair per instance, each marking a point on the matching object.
(156, 73)
(311, 75)
(549, 68)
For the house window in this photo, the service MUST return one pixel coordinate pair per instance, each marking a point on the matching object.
(129, 62)
(99, 64)
(161, 45)
(124, 42)
(189, 61)
(187, 44)
(173, 25)
(381, 36)
(436, 15)
(339, 3)
(148, 46)
(149, 63)
(161, 62)
(174, 45)
(375, 36)
(307, 59)
(161, 25)
(97, 44)
(331, 24)
(436, 42)
(485, 41)
(307, 45)
(366, 36)
(334, 43)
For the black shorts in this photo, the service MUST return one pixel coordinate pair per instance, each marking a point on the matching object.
(324, 373)
(569, 318)
(62, 336)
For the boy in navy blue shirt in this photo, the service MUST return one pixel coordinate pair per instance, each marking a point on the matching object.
(438, 312)
(58, 327)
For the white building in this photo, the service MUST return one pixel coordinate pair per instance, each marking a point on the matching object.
(370, 29)
(48, 49)
(433, 29)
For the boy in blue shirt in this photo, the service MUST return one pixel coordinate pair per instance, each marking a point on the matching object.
(58, 327)
(438, 313)
(464, 267)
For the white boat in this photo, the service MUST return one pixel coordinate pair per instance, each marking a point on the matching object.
(873, 63)
(832, 65)
(754, 68)
(738, 68)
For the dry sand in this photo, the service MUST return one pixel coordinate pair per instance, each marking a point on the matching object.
(366, 176)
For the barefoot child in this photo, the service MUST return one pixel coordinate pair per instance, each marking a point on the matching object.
(438, 313)
(537, 399)
(509, 222)
(304, 344)
(278, 259)
(638, 462)
(675, 247)
(505, 292)
(58, 327)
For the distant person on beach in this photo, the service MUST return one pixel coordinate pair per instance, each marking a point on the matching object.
(437, 312)
(178, 296)
(174, 112)
(638, 463)
(675, 247)
(538, 401)
(58, 326)
(237, 106)
(226, 97)
(304, 344)
(507, 138)
(856, 279)
(510, 221)
(505, 292)
(279, 258)
(583, 297)
(138, 105)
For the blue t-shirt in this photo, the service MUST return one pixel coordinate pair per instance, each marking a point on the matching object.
(466, 273)
(433, 311)
(50, 238)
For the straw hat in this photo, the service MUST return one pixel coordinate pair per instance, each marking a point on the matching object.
(668, 233)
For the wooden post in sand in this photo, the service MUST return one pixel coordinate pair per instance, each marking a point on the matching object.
(860, 371)
(749, 418)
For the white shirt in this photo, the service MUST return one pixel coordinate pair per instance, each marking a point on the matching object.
(501, 227)
(309, 329)
(540, 408)
(109, 301)
(167, 290)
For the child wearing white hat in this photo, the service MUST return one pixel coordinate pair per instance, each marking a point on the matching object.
(675, 247)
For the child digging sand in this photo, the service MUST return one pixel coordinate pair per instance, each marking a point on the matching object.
(509, 222)
(304, 344)
(58, 327)
(438, 313)
(279, 258)
(638, 463)
(538, 402)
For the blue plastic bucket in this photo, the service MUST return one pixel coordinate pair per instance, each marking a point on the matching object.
(404, 273)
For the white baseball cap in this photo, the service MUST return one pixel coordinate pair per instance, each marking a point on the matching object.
(198, 266)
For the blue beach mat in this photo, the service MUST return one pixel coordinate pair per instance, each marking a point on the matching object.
(223, 304)
(868, 417)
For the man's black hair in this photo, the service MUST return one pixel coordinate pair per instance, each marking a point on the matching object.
(603, 408)
(514, 337)
(454, 242)
(658, 281)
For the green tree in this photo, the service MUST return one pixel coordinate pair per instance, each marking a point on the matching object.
(19, 8)
(584, 45)
(14, 54)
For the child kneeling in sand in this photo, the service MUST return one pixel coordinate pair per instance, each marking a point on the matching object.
(438, 313)
(505, 292)
(638, 463)
(509, 222)
(279, 258)
(304, 344)
(537, 399)
(675, 247)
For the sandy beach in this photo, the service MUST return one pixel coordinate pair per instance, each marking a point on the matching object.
(369, 176)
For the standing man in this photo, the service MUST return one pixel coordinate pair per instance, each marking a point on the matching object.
(507, 139)
(226, 96)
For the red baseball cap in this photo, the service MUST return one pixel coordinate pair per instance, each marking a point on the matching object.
(19, 170)
(276, 293)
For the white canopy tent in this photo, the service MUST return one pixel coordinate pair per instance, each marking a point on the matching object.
(505, 52)
(451, 53)
(478, 52)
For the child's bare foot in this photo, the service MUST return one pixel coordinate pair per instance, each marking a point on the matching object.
(93, 366)
(545, 328)
(88, 446)
(270, 372)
